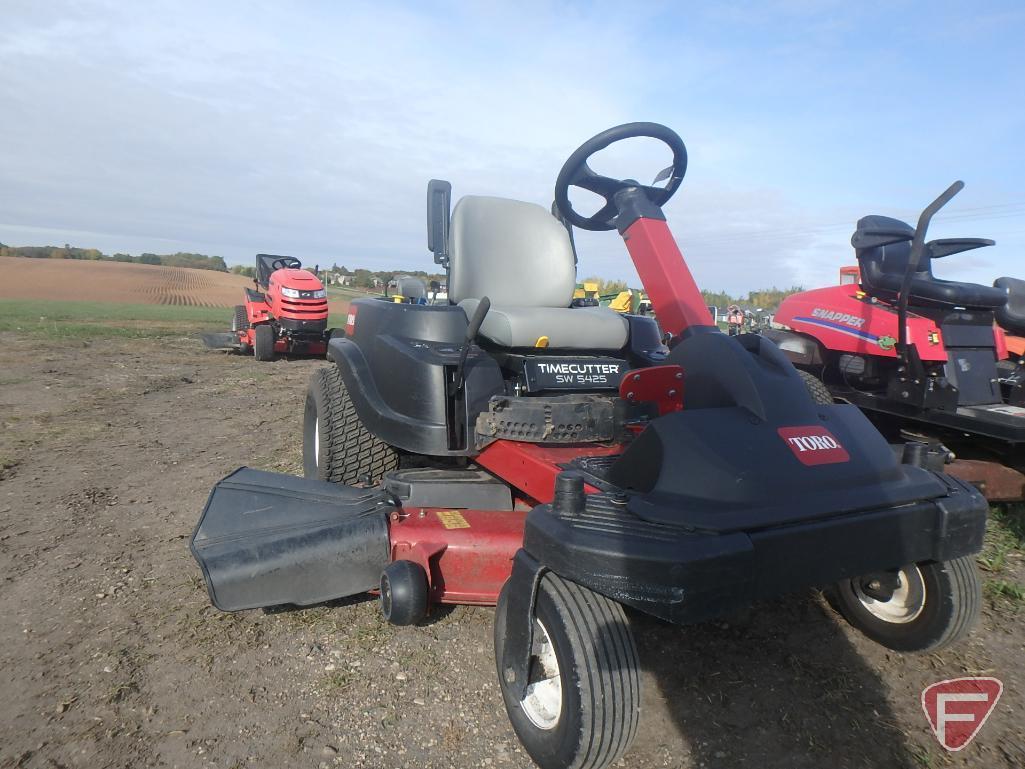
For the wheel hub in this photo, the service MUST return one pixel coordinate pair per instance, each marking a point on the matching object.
(542, 701)
(905, 601)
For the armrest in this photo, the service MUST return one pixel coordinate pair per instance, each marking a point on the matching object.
(947, 246)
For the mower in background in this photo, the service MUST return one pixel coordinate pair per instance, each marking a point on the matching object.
(926, 358)
(562, 463)
(286, 313)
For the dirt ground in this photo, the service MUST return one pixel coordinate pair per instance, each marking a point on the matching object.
(111, 656)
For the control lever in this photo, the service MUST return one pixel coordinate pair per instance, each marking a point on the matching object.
(476, 321)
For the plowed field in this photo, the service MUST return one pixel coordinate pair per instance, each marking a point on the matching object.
(73, 280)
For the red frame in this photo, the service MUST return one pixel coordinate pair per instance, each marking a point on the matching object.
(667, 280)
(467, 554)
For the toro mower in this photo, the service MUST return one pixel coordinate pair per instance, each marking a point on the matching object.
(923, 356)
(286, 313)
(564, 464)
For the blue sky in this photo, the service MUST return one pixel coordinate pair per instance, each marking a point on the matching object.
(312, 128)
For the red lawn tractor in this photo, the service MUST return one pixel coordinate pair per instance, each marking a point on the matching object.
(934, 359)
(289, 316)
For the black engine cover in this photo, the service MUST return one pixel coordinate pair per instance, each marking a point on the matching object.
(752, 449)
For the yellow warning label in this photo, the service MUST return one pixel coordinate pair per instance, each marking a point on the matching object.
(452, 519)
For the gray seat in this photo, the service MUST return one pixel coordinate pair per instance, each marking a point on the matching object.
(520, 256)
(410, 286)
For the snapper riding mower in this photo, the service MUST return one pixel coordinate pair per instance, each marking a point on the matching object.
(562, 463)
(288, 317)
(924, 357)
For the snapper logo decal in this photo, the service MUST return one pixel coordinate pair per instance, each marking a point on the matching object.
(814, 445)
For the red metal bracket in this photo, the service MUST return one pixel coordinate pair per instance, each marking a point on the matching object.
(532, 468)
(661, 384)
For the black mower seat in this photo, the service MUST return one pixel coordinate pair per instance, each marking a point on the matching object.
(265, 266)
(520, 257)
(1011, 316)
(883, 267)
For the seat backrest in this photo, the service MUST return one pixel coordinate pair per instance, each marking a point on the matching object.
(515, 253)
(410, 286)
(883, 266)
(1012, 315)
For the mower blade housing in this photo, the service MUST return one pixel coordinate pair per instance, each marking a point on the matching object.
(220, 341)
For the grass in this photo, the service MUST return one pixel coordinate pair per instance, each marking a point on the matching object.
(84, 320)
(1005, 540)
(106, 320)
(350, 293)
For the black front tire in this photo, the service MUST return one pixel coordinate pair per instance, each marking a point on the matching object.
(263, 348)
(816, 388)
(598, 673)
(404, 593)
(936, 605)
(337, 446)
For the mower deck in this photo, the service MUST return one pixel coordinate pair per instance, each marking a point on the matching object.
(1000, 421)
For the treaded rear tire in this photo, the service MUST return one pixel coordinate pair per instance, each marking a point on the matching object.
(263, 348)
(241, 321)
(599, 672)
(239, 324)
(348, 453)
(818, 391)
(953, 598)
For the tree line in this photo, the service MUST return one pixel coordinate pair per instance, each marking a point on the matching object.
(179, 259)
(768, 299)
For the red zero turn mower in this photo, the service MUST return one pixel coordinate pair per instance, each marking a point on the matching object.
(564, 464)
(289, 317)
(922, 356)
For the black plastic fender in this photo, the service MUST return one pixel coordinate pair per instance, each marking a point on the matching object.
(398, 362)
(521, 596)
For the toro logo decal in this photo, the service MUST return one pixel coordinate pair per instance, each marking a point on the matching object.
(958, 707)
(814, 445)
(350, 321)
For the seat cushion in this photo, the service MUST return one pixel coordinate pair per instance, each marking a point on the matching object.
(578, 328)
(882, 272)
(1012, 315)
(944, 293)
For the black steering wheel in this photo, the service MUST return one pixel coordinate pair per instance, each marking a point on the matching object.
(577, 173)
(285, 263)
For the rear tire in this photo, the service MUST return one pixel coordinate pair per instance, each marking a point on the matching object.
(263, 349)
(239, 326)
(337, 447)
(583, 705)
(240, 322)
(935, 606)
(818, 391)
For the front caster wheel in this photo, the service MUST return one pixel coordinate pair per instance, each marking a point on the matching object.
(918, 608)
(582, 705)
(404, 593)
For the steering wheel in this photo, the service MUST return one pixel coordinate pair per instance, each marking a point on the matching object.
(285, 263)
(577, 173)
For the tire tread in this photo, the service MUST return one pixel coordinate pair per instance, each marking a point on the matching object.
(353, 453)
